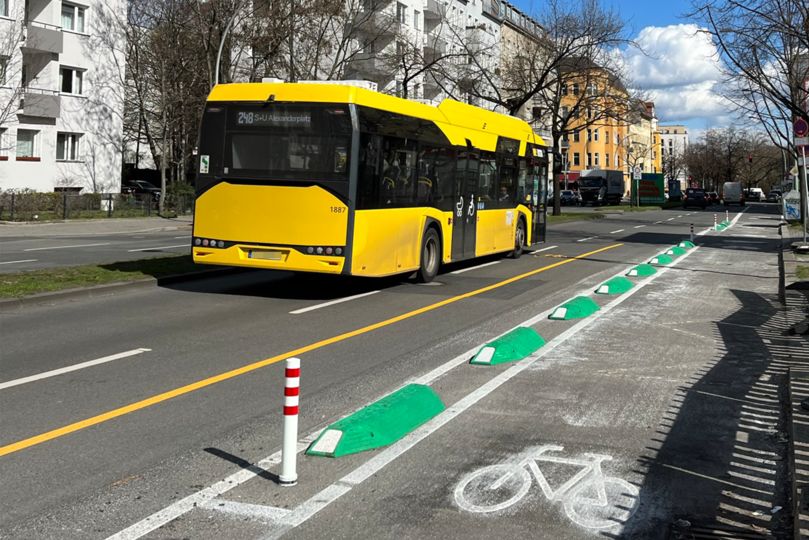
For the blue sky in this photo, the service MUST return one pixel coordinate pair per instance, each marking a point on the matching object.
(679, 71)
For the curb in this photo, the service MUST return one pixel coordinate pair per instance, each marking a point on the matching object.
(108, 288)
(379, 424)
(576, 308)
(515, 345)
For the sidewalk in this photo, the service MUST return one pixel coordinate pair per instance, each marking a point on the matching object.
(93, 226)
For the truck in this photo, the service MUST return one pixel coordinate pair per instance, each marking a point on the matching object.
(732, 193)
(600, 186)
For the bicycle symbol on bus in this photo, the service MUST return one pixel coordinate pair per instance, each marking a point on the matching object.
(589, 498)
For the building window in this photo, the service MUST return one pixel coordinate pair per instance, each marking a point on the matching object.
(416, 19)
(564, 89)
(72, 17)
(595, 134)
(4, 7)
(3, 68)
(67, 146)
(606, 160)
(592, 89)
(3, 154)
(70, 80)
(401, 13)
(575, 89)
(589, 160)
(589, 135)
(576, 159)
(597, 160)
(576, 136)
(27, 144)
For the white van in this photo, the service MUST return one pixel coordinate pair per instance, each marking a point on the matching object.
(732, 193)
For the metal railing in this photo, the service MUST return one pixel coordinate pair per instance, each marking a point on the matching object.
(32, 207)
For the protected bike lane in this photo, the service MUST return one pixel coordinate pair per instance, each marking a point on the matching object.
(661, 414)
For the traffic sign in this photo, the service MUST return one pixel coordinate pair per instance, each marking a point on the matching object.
(800, 127)
(636, 173)
(801, 141)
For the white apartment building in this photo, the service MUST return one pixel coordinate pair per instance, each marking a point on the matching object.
(61, 94)
(673, 144)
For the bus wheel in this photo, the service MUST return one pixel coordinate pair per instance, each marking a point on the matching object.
(430, 257)
(519, 240)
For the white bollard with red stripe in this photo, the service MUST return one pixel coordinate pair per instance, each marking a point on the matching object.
(289, 448)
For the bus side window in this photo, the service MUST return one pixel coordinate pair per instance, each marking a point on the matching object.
(369, 171)
(426, 181)
(444, 182)
(399, 172)
(523, 187)
(508, 181)
(487, 180)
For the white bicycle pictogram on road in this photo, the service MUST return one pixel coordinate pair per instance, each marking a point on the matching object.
(590, 499)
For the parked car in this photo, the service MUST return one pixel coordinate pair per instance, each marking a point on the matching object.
(774, 196)
(732, 193)
(569, 197)
(695, 197)
(754, 194)
(713, 197)
(141, 187)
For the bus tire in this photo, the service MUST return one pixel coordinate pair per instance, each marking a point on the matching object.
(430, 256)
(519, 239)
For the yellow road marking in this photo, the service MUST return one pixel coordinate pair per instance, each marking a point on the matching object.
(148, 402)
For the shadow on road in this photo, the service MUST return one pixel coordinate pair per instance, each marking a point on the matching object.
(717, 466)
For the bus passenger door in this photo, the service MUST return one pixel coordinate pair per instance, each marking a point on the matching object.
(465, 214)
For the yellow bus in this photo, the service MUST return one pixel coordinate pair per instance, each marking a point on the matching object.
(340, 179)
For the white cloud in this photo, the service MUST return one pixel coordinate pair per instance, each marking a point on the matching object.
(679, 70)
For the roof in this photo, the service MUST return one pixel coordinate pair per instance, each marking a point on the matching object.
(459, 121)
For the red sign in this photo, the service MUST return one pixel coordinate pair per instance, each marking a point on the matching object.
(800, 127)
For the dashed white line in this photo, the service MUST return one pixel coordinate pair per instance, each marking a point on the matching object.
(331, 303)
(21, 261)
(638, 226)
(586, 239)
(68, 247)
(658, 222)
(158, 247)
(680, 216)
(462, 270)
(670, 219)
(184, 236)
(544, 249)
(75, 367)
(616, 232)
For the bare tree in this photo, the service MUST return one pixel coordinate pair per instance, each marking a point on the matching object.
(12, 33)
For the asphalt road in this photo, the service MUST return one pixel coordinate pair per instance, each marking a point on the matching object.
(90, 452)
(39, 246)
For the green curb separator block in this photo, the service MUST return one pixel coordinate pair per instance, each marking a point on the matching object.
(578, 308)
(676, 251)
(687, 244)
(516, 345)
(642, 270)
(380, 423)
(661, 260)
(616, 285)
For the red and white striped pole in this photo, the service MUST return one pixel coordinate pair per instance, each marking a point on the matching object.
(289, 448)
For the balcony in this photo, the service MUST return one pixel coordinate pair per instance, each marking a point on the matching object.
(433, 11)
(369, 65)
(42, 38)
(434, 48)
(378, 24)
(41, 103)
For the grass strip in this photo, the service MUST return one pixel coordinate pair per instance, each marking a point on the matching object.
(802, 272)
(20, 284)
(573, 217)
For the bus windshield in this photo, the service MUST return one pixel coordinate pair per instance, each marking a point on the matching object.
(288, 141)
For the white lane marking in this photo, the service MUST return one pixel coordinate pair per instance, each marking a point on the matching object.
(586, 239)
(158, 247)
(680, 216)
(68, 247)
(670, 219)
(616, 232)
(327, 304)
(545, 249)
(17, 262)
(331, 493)
(462, 270)
(658, 222)
(258, 512)
(638, 226)
(199, 498)
(74, 367)
(185, 236)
